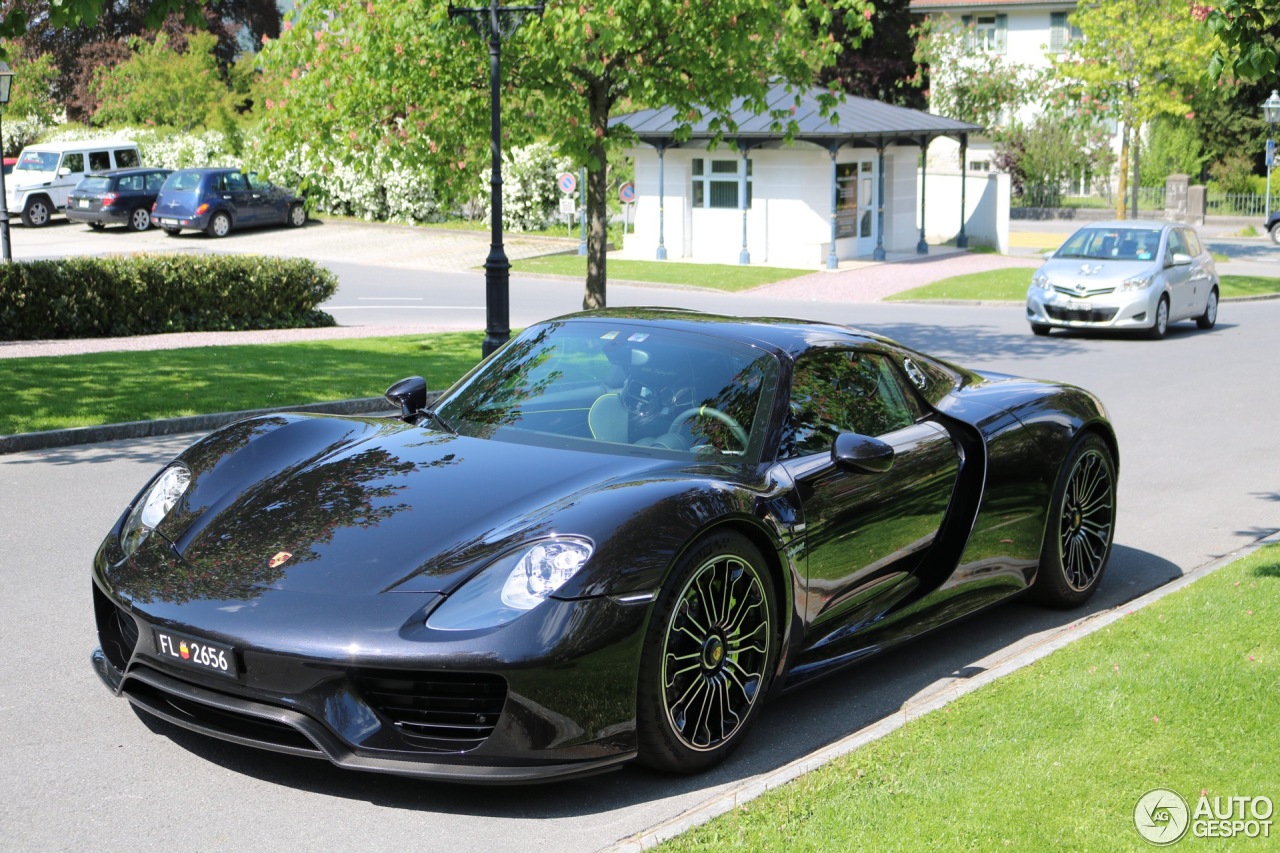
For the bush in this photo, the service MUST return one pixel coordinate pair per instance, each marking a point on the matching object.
(141, 295)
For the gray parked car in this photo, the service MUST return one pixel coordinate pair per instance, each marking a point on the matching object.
(1125, 275)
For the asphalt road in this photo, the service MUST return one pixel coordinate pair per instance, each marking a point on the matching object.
(1199, 477)
(79, 770)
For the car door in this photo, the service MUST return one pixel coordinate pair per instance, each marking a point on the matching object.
(268, 201)
(1201, 275)
(238, 198)
(1179, 276)
(865, 535)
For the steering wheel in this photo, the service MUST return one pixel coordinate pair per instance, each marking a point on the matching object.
(697, 411)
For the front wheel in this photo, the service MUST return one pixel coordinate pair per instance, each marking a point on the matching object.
(36, 213)
(1081, 526)
(1161, 325)
(1275, 233)
(173, 232)
(297, 215)
(708, 657)
(1040, 329)
(219, 225)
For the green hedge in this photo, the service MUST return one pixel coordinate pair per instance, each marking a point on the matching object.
(151, 294)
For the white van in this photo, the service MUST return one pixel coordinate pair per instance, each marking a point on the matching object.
(44, 174)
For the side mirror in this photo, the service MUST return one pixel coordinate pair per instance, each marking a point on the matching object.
(861, 454)
(1181, 260)
(63, 172)
(409, 394)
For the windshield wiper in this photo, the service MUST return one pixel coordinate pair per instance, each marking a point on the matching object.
(439, 420)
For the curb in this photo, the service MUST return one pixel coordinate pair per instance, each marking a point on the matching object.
(752, 788)
(172, 426)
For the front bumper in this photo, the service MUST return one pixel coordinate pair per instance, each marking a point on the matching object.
(548, 696)
(1116, 310)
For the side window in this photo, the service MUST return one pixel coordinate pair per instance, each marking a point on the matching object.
(127, 158)
(1176, 243)
(844, 391)
(236, 182)
(129, 183)
(99, 161)
(73, 161)
(1192, 241)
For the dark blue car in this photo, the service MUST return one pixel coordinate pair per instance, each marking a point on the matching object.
(116, 197)
(217, 200)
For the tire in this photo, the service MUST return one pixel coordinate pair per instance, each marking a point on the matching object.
(297, 215)
(709, 655)
(1275, 233)
(1040, 329)
(1081, 526)
(139, 219)
(219, 225)
(1209, 318)
(172, 232)
(96, 226)
(36, 212)
(1161, 325)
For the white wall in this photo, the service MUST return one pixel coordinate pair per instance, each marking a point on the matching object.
(986, 209)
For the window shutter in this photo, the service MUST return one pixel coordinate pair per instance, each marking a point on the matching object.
(1057, 31)
(1002, 30)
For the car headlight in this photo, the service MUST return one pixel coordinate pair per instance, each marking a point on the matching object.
(1138, 282)
(1041, 281)
(152, 506)
(512, 586)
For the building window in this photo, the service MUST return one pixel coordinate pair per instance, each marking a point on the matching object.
(987, 33)
(715, 183)
(854, 193)
(979, 165)
(1061, 32)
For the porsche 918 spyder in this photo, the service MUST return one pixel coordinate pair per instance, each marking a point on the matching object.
(610, 541)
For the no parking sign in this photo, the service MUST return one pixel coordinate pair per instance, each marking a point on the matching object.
(567, 182)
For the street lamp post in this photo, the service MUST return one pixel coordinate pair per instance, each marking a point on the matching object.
(496, 22)
(6, 80)
(1270, 112)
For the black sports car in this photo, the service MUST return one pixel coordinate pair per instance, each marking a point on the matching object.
(611, 540)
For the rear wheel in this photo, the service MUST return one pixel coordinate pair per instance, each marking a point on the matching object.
(173, 232)
(1275, 233)
(96, 226)
(1161, 326)
(708, 655)
(1081, 526)
(1039, 329)
(219, 225)
(297, 215)
(140, 219)
(1210, 315)
(37, 211)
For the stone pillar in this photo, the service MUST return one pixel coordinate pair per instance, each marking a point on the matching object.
(1197, 204)
(1175, 198)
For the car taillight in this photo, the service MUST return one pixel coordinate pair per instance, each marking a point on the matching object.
(108, 198)
(153, 206)
(202, 210)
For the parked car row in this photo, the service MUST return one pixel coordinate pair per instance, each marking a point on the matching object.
(104, 183)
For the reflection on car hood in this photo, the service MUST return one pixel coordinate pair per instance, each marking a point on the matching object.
(359, 505)
(1092, 272)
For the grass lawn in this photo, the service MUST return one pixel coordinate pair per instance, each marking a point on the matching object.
(728, 277)
(1011, 284)
(102, 388)
(1183, 695)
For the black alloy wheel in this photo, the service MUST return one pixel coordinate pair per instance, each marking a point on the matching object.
(1081, 525)
(709, 655)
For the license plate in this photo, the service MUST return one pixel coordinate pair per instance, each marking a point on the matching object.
(1079, 305)
(84, 202)
(196, 654)
(167, 221)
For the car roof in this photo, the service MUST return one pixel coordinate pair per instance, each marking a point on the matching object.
(132, 170)
(209, 170)
(81, 145)
(784, 334)
(1154, 224)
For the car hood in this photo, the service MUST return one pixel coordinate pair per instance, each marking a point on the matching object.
(360, 506)
(1093, 272)
(25, 180)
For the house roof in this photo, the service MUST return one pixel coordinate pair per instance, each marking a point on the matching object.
(859, 122)
(926, 6)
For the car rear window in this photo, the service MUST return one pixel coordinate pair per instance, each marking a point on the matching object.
(95, 184)
(183, 182)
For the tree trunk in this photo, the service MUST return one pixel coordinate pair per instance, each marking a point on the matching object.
(597, 204)
(1124, 172)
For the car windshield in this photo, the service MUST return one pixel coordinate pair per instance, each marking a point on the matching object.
(1114, 244)
(37, 161)
(618, 386)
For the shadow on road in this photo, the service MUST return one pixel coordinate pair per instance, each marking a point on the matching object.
(790, 727)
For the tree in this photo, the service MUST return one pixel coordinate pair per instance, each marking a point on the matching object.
(162, 86)
(1140, 56)
(1248, 36)
(406, 82)
(881, 66)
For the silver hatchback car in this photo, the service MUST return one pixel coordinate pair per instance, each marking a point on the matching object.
(1125, 275)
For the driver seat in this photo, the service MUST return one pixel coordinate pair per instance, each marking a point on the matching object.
(608, 419)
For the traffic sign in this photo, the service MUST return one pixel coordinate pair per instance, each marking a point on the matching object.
(627, 193)
(567, 206)
(567, 182)
(1271, 153)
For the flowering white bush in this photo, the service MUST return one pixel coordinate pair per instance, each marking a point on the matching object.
(159, 147)
(530, 197)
